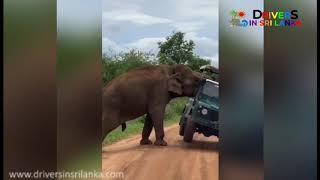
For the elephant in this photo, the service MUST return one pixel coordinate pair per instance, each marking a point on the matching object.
(146, 91)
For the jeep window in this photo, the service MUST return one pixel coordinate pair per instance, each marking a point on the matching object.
(211, 90)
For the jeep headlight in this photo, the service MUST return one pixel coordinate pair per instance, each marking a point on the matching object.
(204, 111)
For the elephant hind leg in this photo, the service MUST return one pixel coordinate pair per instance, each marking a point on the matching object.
(157, 116)
(147, 128)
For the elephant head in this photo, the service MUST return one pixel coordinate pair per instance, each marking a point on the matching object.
(183, 81)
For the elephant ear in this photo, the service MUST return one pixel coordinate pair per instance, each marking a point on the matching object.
(174, 84)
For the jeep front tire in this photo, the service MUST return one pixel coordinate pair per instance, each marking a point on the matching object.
(188, 130)
(181, 130)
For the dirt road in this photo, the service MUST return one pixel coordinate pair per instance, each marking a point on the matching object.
(179, 160)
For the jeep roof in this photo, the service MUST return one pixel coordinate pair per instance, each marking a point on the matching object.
(215, 82)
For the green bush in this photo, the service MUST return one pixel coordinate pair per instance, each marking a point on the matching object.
(113, 66)
(174, 108)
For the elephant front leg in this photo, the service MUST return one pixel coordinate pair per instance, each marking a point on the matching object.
(157, 116)
(147, 128)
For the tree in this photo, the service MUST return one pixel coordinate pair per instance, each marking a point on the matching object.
(175, 50)
(196, 62)
(115, 65)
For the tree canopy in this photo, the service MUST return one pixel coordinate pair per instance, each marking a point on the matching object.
(174, 50)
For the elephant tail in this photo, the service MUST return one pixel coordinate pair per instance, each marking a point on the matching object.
(124, 126)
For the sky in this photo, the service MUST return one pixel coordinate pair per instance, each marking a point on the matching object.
(140, 24)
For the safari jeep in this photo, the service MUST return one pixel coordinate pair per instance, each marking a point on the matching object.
(201, 112)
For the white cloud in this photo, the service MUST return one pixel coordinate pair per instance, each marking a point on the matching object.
(207, 9)
(189, 26)
(214, 60)
(152, 21)
(204, 46)
(146, 44)
(134, 16)
(109, 45)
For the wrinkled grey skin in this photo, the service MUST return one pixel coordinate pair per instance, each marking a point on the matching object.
(146, 90)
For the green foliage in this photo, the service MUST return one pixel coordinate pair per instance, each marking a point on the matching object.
(115, 65)
(163, 59)
(175, 50)
(213, 76)
(134, 127)
(196, 62)
(174, 108)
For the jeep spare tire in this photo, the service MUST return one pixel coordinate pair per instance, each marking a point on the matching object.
(189, 130)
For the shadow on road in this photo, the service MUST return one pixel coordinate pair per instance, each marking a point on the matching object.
(200, 145)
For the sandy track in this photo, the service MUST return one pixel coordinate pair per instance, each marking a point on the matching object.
(177, 161)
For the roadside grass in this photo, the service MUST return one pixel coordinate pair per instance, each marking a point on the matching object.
(134, 127)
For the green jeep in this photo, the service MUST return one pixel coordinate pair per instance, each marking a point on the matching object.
(201, 112)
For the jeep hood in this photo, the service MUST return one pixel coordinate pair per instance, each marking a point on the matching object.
(214, 105)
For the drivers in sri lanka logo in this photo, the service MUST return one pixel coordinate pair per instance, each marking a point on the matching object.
(261, 18)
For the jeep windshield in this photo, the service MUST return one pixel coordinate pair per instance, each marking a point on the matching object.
(209, 92)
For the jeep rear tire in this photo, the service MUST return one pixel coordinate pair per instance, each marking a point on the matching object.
(188, 130)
